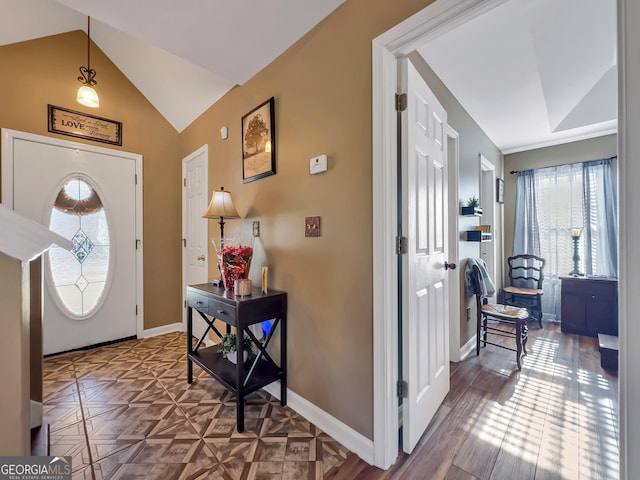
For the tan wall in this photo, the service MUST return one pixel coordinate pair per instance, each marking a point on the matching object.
(322, 89)
(582, 151)
(44, 71)
(14, 357)
(472, 142)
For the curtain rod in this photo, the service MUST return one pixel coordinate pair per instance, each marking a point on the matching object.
(609, 158)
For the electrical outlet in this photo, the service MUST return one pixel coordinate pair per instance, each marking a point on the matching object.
(256, 228)
(468, 314)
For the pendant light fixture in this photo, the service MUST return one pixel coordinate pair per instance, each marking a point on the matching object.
(86, 94)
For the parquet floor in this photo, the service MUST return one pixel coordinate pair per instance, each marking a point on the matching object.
(126, 411)
(556, 419)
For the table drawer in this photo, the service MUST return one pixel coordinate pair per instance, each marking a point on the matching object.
(197, 301)
(222, 311)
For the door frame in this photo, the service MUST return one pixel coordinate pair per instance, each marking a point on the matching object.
(202, 150)
(487, 189)
(453, 152)
(6, 165)
(439, 17)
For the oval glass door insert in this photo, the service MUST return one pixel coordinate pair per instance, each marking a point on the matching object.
(80, 275)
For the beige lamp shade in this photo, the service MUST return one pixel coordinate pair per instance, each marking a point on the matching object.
(221, 206)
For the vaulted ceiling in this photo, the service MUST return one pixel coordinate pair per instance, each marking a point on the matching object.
(182, 55)
(530, 73)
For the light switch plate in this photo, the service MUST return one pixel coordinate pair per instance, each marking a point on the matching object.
(318, 164)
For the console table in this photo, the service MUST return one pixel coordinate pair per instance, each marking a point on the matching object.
(239, 312)
(589, 305)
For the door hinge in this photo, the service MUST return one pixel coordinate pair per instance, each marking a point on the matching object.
(402, 245)
(401, 102)
(184, 182)
(403, 389)
(136, 179)
(137, 244)
(136, 309)
(184, 242)
(185, 304)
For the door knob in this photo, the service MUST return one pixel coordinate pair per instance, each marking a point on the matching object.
(448, 266)
(200, 257)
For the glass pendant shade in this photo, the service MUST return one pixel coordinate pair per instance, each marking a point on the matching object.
(87, 96)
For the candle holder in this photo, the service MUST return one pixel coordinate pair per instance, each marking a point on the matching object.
(576, 233)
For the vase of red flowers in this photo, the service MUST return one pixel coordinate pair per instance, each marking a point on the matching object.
(234, 260)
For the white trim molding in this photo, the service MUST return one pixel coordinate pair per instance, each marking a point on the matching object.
(163, 329)
(468, 348)
(629, 232)
(347, 436)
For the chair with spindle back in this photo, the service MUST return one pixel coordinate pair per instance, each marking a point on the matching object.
(509, 322)
(525, 284)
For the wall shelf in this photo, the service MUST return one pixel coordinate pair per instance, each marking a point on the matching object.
(471, 211)
(477, 236)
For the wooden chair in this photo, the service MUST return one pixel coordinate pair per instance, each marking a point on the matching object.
(525, 284)
(504, 314)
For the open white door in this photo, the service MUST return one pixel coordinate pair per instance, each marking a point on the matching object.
(195, 231)
(425, 288)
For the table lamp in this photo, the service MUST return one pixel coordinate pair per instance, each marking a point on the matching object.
(221, 207)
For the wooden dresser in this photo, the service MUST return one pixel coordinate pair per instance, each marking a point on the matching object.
(589, 305)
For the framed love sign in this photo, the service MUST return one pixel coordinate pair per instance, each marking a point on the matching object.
(82, 125)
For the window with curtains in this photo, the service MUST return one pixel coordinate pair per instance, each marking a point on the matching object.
(552, 201)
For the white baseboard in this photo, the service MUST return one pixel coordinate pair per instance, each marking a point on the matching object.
(154, 332)
(468, 348)
(347, 436)
(35, 414)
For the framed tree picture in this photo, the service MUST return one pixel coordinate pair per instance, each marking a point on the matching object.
(500, 190)
(259, 142)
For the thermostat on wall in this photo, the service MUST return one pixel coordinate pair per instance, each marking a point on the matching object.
(318, 164)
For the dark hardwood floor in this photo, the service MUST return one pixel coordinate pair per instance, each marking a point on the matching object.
(556, 419)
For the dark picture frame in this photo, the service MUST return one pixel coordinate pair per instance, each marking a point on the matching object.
(499, 190)
(82, 125)
(312, 226)
(259, 142)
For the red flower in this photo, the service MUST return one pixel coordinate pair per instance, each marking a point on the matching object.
(235, 262)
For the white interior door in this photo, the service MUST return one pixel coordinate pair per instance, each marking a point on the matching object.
(425, 319)
(195, 232)
(89, 196)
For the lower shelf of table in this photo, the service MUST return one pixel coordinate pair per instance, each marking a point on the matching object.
(212, 362)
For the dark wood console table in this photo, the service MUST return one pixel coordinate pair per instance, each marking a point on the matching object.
(589, 305)
(240, 312)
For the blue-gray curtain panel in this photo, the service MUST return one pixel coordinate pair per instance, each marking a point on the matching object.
(600, 218)
(526, 234)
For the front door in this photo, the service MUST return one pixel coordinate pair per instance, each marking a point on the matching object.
(87, 195)
(425, 287)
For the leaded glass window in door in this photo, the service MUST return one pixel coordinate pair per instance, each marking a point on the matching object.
(80, 275)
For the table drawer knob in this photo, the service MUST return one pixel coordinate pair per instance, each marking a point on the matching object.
(222, 312)
(200, 303)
